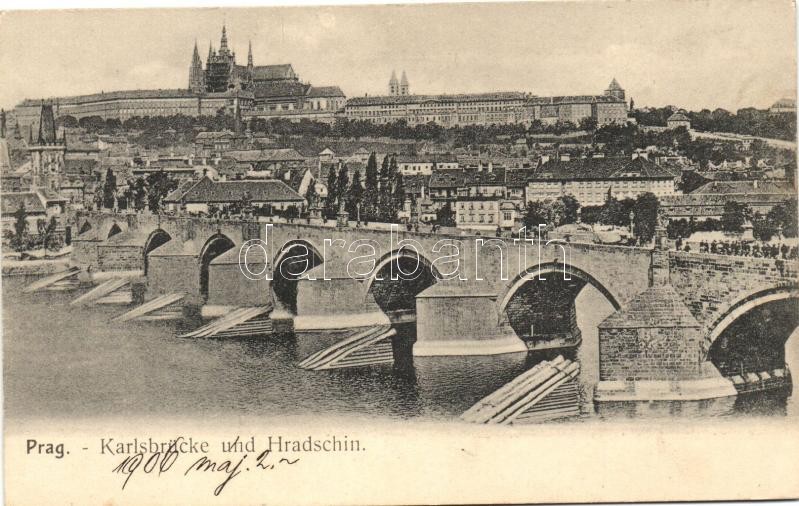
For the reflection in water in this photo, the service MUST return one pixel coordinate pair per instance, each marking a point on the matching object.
(67, 362)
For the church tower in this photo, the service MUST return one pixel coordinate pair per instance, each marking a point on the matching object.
(196, 73)
(223, 49)
(615, 90)
(403, 88)
(47, 155)
(393, 85)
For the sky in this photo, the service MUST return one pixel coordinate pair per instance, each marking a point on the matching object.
(689, 53)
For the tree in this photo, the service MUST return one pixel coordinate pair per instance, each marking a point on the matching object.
(355, 198)
(139, 194)
(371, 198)
(785, 216)
(646, 216)
(733, 216)
(588, 124)
(159, 185)
(109, 189)
(398, 196)
(763, 227)
(570, 207)
(332, 193)
(535, 214)
(343, 184)
(19, 241)
(445, 216)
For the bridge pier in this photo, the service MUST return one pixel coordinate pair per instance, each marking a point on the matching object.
(652, 348)
(457, 318)
(336, 303)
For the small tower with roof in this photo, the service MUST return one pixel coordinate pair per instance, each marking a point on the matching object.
(404, 88)
(393, 85)
(615, 90)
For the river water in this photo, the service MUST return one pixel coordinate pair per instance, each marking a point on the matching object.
(63, 362)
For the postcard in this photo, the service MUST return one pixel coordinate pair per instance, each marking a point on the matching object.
(478, 253)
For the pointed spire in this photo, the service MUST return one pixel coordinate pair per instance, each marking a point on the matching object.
(223, 49)
(210, 51)
(404, 80)
(195, 57)
(393, 79)
(249, 54)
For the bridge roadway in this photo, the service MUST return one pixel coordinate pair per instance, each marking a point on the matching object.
(670, 306)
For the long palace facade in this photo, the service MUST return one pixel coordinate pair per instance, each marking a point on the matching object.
(487, 108)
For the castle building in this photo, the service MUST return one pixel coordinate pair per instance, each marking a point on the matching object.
(277, 90)
(608, 108)
(487, 108)
(254, 90)
(447, 110)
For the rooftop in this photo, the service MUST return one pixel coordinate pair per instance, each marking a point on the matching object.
(417, 99)
(267, 190)
(601, 168)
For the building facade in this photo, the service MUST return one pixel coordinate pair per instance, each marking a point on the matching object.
(608, 108)
(447, 110)
(486, 108)
(591, 180)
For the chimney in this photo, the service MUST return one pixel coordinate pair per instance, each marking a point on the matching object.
(422, 188)
(490, 166)
(287, 175)
(754, 184)
(479, 166)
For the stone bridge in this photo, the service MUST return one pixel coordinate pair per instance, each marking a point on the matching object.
(679, 316)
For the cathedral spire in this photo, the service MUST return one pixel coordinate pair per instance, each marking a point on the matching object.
(223, 49)
(196, 75)
(249, 54)
(210, 52)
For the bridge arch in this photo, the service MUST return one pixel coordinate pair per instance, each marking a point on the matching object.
(285, 278)
(751, 334)
(414, 273)
(213, 247)
(157, 237)
(85, 227)
(114, 230)
(747, 303)
(531, 275)
(543, 312)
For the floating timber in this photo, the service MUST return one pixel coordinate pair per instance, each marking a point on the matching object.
(103, 291)
(58, 281)
(369, 346)
(160, 308)
(545, 392)
(243, 321)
